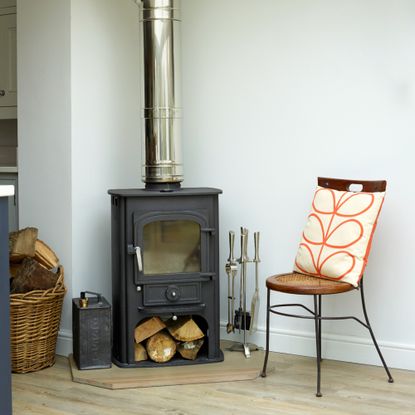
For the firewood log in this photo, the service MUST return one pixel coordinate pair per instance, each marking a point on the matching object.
(161, 347)
(184, 329)
(147, 328)
(14, 268)
(140, 352)
(189, 350)
(32, 276)
(45, 255)
(22, 244)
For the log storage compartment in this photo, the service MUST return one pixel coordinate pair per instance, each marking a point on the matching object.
(165, 277)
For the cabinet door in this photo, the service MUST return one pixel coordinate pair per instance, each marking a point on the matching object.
(7, 4)
(8, 73)
(13, 209)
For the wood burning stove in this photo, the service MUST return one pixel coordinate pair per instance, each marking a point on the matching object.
(165, 263)
(164, 238)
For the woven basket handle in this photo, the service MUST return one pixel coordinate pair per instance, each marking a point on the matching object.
(59, 282)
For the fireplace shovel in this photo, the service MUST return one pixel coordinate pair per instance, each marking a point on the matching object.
(255, 297)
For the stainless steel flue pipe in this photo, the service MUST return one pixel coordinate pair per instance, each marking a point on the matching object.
(160, 35)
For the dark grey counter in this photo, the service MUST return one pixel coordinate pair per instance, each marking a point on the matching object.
(5, 365)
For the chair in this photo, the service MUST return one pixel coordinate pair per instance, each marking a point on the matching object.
(304, 284)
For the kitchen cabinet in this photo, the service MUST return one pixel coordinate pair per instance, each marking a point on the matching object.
(7, 4)
(11, 179)
(8, 71)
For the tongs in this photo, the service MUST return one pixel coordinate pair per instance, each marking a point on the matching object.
(231, 269)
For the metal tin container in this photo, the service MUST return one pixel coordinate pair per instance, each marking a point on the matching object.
(91, 330)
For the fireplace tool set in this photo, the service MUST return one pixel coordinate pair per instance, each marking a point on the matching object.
(242, 319)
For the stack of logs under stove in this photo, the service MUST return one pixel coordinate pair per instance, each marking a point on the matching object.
(159, 340)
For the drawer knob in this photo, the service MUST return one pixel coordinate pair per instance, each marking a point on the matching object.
(173, 293)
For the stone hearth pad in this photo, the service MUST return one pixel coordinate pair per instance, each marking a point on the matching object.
(235, 367)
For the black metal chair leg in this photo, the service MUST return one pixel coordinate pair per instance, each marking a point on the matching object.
(319, 323)
(264, 369)
(318, 344)
(390, 379)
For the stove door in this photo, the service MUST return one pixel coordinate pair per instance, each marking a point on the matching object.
(170, 245)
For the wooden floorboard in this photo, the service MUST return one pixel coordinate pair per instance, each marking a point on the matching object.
(347, 389)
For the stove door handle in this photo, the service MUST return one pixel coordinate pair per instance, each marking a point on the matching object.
(137, 250)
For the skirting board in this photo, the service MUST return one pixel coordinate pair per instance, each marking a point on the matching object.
(64, 344)
(343, 348)
(334, 347)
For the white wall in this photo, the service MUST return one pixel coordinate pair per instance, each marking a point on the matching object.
(105, 129)
(44, 126)
(79, 130)
(278, 92)
(274, 94)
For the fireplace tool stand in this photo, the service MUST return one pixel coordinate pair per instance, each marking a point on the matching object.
(242, 319)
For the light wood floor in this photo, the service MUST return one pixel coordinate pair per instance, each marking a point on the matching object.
(289, 389)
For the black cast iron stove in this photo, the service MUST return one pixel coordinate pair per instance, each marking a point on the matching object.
(165, 263)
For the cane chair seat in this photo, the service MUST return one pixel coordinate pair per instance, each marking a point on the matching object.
(296, 283)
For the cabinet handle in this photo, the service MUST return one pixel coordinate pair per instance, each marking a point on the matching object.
(2, 92)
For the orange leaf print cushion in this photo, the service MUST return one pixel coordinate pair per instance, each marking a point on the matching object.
(337, 237)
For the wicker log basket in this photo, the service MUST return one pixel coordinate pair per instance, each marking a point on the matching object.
(34, 324)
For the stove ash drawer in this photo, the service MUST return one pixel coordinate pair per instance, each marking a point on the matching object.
(169, 294)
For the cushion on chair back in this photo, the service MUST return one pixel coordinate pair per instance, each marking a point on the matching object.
(337, 238)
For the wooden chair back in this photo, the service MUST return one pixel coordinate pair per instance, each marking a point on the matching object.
(347, 185)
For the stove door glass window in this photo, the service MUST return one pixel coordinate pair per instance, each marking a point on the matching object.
(171, 246)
